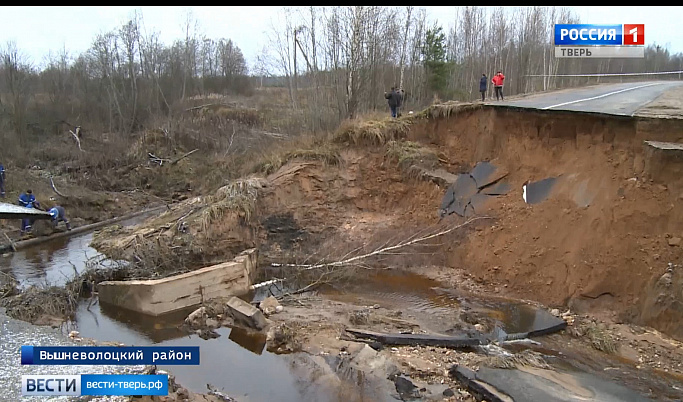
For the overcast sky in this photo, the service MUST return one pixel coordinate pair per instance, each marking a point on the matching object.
(40, 30)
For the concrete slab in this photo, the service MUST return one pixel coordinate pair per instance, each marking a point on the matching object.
(160, 296)
(448, 199)
(667, 146)
(532, 384)
(11, 211)
(245, 314)
(441, 177)
(458, 195)
(480, 201)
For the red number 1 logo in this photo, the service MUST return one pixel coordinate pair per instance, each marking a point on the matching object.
(634, 34)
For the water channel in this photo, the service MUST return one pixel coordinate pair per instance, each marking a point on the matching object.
(237, 361)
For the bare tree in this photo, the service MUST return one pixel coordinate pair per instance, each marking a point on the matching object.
(16, 76)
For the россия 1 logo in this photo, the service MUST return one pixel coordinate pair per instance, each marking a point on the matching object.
(591, 34)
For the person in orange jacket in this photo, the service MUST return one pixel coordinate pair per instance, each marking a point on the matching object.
(497, 82)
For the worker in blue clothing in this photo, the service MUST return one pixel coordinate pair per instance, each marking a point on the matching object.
(28, 200)
(2, 181)
(59, 215)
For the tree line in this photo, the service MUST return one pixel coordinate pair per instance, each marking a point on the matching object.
(333, 62)
(357, 52)
(125, 81)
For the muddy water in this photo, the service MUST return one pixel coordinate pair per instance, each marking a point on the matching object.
(440, 309)
(235, 362)
(420, 296)
(52, 263)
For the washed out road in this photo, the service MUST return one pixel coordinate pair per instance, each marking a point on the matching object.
(624, 99)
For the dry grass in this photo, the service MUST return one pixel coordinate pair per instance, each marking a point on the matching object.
(372, 132)
(238, 196)
(8, 285)
(244, 115)
(408, 153)
(601, 339)
(39, 303)
(597, 335)
(321, 151)
(447, 109)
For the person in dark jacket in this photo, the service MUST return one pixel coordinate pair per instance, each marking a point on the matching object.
(394, 100)
(59, 215)
(483, 84)
(27, 200)
(2, 181)
(400, 94)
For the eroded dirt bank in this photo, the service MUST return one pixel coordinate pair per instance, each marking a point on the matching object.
(606, 241)
(608, 237)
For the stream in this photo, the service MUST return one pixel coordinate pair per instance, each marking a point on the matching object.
(236, 362)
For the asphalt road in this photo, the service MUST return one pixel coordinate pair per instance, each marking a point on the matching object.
(619, 99)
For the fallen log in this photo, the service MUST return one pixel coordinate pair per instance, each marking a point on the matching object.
(454, 342)
(173, 162)
(52, 183)
(11, 243)
(81, 229)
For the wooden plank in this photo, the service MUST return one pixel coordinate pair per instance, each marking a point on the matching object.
(160, 296)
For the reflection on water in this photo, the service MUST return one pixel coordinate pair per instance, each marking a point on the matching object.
(516, 317)
(108, 323)
(235, 362)
(397, 290)
(254, 342)
(51, 263)
(406, 290)
(57, 261)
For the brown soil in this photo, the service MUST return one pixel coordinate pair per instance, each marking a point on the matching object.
(603, 258)
(617, 260)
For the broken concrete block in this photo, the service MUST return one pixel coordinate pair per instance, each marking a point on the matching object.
(245, 314)
(197, 318)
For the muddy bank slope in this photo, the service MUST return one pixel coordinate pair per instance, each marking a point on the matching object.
(608, 237)
(602, 242)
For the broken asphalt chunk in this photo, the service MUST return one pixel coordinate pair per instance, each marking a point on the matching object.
(486, 173)
(539, 190)
(498, 188)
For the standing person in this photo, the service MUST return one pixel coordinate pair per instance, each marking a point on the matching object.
(399, 102)
(2, 181)
(59, 215)
(393, 99)
(27, 200)
(483, 84)
(497, 82)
